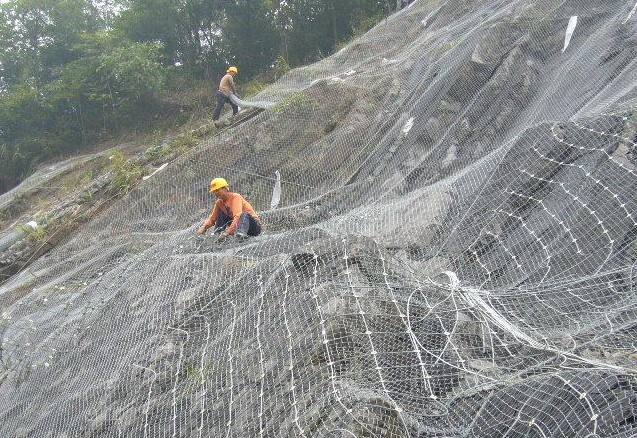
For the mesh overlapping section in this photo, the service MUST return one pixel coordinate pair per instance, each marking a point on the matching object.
(453, 255)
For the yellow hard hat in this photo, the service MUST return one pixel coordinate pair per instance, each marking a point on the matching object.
(218, 183)
(234, 70)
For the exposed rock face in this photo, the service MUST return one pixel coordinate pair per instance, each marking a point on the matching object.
(453, 256)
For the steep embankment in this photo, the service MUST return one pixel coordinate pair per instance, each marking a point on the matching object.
(53, 203)
(453, 255)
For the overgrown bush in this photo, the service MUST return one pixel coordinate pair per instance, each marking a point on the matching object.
(126, 173)
(115, 83)
(177, 146)
(281, 67)
(252, 88)
(294, 102)
(38, 234)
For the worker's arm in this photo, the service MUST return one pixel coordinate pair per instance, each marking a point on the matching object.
(212, 219)
(234, 90)
(236, 208)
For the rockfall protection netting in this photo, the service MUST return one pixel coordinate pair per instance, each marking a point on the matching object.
(453, 253)
(252, 104)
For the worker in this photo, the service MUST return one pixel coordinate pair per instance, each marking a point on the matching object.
(232, 215)
(226, 89)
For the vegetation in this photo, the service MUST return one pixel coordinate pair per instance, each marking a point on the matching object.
(196, 374)
(37, 234)
(113, 86)
(78, 181)
(177, 146)
(125, 172)
(253, 88)
(293, 103)
(280, 68)
(73, 72)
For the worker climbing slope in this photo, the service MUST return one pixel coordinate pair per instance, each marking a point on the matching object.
(226, 89)
(232, 215)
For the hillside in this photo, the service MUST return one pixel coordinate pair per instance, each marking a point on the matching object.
(453, 254)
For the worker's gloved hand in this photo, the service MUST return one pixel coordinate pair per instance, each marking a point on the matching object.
(201, 231)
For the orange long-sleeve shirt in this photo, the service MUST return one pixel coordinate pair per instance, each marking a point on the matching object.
(233, 207)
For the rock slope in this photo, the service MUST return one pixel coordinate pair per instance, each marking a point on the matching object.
(453, 255)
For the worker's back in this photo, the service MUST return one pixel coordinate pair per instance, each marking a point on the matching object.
(226, 86)
(233, 202)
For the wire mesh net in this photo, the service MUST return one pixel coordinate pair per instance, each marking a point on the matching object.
(452, 254)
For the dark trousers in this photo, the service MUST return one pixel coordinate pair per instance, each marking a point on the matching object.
(222, 99)
(247, 224)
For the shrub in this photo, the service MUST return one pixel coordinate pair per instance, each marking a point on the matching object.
(126, 172)
(113, 86)
(253, 88)
(177, 146)
(293, 102)
(78, 181)
(281, 67)
(184, 142)
(364, 23)
(37, 234)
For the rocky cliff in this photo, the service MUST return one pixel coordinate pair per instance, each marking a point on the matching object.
(453, 254)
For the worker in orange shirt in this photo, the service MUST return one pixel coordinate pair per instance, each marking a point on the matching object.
(226, 89)
(232, 215)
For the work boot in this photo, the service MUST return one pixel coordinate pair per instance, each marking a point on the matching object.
(241, 236)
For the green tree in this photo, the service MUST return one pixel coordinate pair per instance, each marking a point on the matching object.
(23, 118)
(38, 36)
(113, 85)
(250, 36)
(189, 30)
(311, 29)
